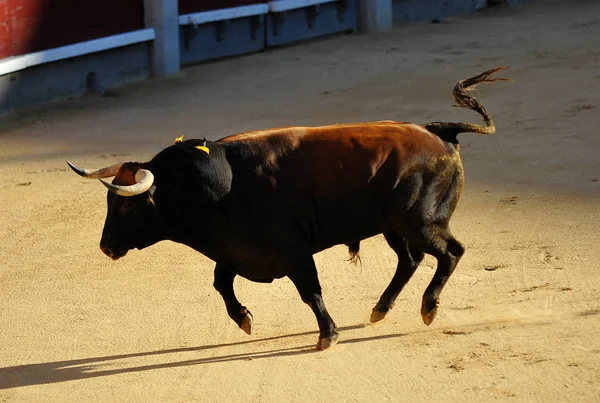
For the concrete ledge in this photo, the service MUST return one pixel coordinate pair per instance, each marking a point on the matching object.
(71, 77)
(308, 22)
(17, 63)
(214, 40)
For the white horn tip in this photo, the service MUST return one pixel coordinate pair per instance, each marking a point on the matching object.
(78, 171)
(114, 188)
(105, 183)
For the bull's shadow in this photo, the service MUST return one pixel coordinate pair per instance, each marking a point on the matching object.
(62, 371)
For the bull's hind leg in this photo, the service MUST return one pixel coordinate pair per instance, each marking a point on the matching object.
(224, 284)
(409, 259)
(303, 273)
(437, 240)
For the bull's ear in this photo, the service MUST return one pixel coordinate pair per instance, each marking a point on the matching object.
(151, 195)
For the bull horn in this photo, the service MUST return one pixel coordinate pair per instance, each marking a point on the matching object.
(143, 182)
(97, 173)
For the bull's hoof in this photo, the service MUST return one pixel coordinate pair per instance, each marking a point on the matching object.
(378, 315)
(429, 310)
(326, 342)
(246, 323)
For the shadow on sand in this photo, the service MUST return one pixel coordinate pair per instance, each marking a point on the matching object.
(62, 371)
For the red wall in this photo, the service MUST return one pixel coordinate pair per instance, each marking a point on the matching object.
(194, 6)
(32, 25)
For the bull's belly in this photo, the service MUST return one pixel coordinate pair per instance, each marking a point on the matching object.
(259, 272)
(345, 239)
(349, 229)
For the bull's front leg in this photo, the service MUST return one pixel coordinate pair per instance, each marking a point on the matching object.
(303, 273)
(224, 284)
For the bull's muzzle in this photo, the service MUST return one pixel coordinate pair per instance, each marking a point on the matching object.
(112, 253)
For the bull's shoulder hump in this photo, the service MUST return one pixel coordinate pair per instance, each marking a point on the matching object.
(261, 135)
(300, 131)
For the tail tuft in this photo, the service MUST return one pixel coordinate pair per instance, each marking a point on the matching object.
(353, 250)
(449, 131)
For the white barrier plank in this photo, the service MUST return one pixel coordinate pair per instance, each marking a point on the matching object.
(280, 6)
(223, 14)
(17, 63)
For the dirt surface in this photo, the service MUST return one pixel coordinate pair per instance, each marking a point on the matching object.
(519, 319)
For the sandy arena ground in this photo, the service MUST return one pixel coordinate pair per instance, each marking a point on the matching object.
(519, 320)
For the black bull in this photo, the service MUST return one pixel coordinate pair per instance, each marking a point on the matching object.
(260, 204)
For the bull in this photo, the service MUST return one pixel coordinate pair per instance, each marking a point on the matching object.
(260, 204)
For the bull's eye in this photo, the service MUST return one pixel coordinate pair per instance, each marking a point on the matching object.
(127, 207)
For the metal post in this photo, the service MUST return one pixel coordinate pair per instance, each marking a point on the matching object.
(163, 16)
(375, 15)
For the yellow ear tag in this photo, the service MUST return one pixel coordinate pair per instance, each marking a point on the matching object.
(179, 139)
(203, 148)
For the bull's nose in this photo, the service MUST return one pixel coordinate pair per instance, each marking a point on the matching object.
(107, 251)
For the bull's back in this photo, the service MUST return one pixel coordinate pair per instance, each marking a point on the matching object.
(342, 156)
(337, 182)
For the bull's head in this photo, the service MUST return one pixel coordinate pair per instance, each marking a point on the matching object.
(131, 219)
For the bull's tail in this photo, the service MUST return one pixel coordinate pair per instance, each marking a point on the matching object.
(448, 130)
